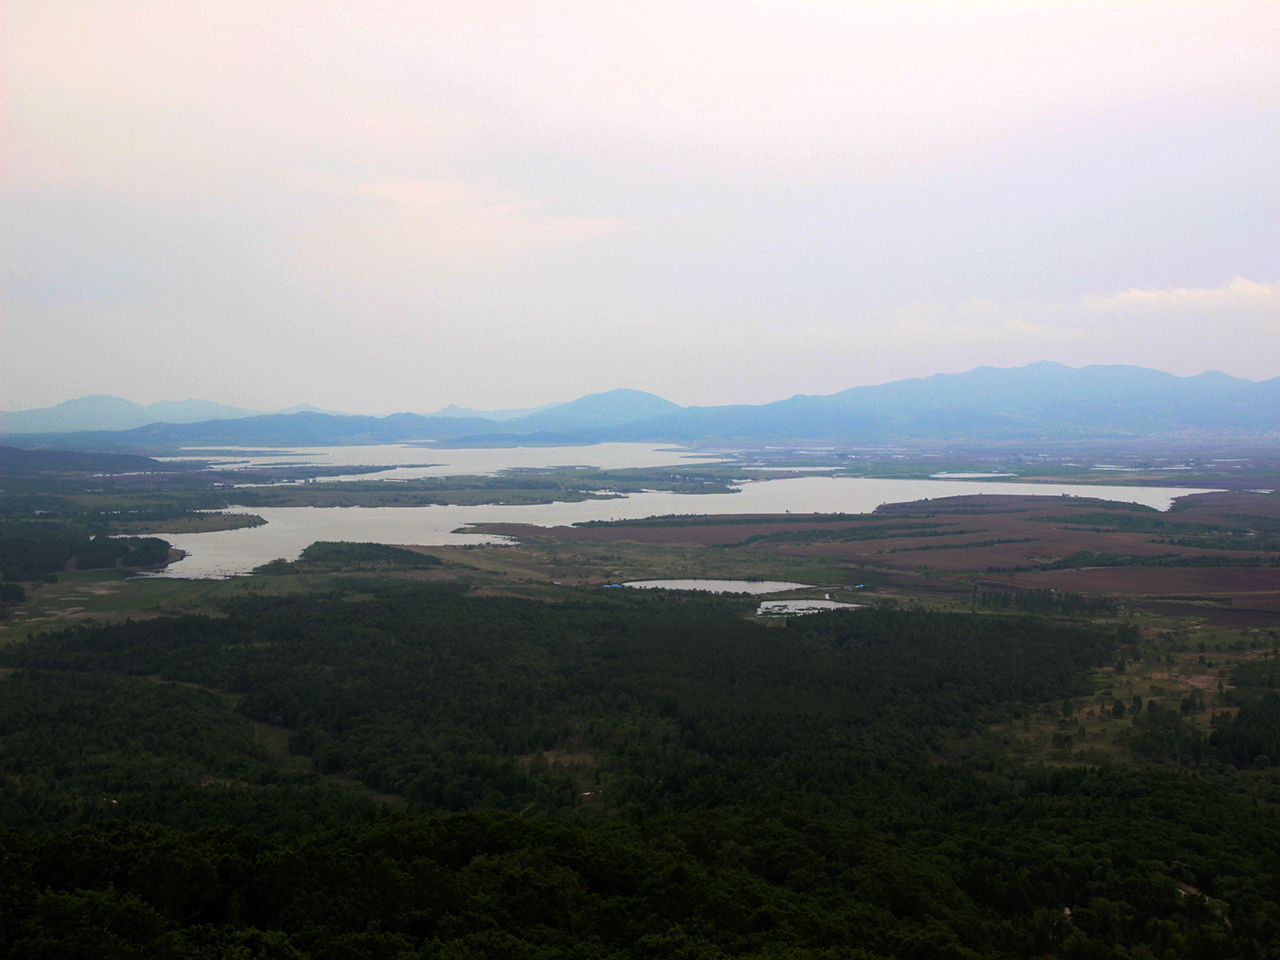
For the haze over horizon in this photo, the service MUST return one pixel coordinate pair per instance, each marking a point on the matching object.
(380, 207)
(198, 404)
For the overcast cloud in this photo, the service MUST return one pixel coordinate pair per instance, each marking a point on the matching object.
(394, 206)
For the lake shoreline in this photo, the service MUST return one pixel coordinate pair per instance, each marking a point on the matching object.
(289, 530)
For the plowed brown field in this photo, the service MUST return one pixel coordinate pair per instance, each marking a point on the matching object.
(1013, 542)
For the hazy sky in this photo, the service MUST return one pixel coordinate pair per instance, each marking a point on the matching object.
(385, 206)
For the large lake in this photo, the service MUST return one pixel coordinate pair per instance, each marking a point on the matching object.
(412, 461)
(290, 529)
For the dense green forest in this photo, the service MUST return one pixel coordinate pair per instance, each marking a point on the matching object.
(420, 773)
(441, 697)
(1044, 600)
(41, 554)
(325, 555)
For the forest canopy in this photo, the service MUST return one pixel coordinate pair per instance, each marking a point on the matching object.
(648, 775)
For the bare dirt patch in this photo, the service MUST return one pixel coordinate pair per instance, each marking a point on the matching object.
(1225, 582)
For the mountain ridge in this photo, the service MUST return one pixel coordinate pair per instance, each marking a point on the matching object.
(104, 412)
(1038, 401)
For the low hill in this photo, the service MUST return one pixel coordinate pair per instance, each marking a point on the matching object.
(301, 429)
(15, 462)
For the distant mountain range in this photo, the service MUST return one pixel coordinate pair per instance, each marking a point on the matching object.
(1041, 401)
(114, 413)
(101, 412)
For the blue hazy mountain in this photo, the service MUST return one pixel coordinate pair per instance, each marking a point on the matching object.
(113, 413)
(1041, 401)
(598, 411)
(506, 413)
(305, 408)
(613, 408)
(102, 412)
(583, 418)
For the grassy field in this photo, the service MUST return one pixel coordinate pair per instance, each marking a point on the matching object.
(111, 595)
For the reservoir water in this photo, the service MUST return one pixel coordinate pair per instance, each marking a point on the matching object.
(412, 461)
(290, 529)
